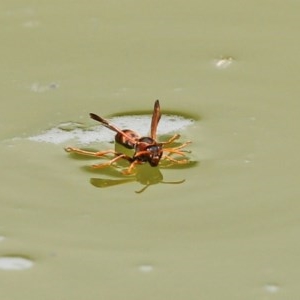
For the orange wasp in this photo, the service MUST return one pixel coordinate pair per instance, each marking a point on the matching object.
(146, 149)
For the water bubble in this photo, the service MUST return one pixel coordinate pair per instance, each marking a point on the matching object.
(41, 88)
(145, 268)
(271, 288)
(223, 62)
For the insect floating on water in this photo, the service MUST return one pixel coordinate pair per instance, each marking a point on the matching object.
(146, 149)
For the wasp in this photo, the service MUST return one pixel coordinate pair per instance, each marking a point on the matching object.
(146, 149)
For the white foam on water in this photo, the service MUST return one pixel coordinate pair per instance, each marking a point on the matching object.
(14, 263)
(140, 123)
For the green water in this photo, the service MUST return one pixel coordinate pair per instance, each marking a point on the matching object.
(230, 231)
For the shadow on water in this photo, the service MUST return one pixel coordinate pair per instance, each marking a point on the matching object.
(144, 173)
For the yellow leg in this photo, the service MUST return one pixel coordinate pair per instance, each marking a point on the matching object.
(99, 154)
(172, 139)
(109, 163)
(176, 150)
(180, 162)
(131, 167)
(89, 153)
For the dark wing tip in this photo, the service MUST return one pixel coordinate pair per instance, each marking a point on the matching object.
(93, 116)
(96, 117)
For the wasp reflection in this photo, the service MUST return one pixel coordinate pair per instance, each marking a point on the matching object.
(145, 175)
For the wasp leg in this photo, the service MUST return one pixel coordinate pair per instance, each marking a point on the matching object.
(109, 163)
(177, 150)
(89, 153)
(131, 167)
(180, 162)
(172, 139)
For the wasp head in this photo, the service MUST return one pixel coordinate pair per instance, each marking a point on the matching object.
(154, 154)
(148, 150)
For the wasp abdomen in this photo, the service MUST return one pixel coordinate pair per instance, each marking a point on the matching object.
(121, 139)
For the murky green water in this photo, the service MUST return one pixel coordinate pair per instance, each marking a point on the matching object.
(231, 229)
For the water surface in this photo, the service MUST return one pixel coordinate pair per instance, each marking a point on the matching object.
(230, 230)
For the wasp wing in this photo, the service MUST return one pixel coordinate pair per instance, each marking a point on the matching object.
(155, 119)
(111, 127)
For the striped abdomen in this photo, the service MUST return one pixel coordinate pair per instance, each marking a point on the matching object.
(123, 140)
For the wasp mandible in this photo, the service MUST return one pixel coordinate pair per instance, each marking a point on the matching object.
(146, 149)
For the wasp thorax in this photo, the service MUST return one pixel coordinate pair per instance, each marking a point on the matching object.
(147, 140)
